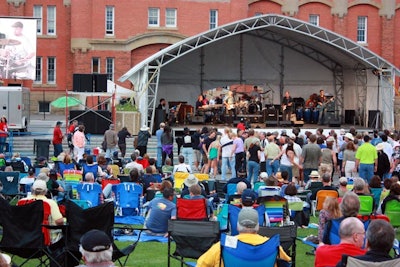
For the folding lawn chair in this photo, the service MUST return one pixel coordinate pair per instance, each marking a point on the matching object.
(191, 209)
(90, 192)
(10, 180)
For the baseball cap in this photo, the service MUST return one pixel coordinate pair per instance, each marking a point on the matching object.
(39, 185)
(58, 123)
(248, 197)
(248, 217)
(95, 241)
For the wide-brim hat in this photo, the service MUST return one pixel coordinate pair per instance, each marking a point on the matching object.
(191, 180)
(350, 136)
(144, 128)
(380, 146)
(314, 174)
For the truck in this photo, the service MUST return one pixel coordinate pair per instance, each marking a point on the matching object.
(15, 105)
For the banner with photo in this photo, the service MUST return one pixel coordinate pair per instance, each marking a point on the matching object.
(17, 48)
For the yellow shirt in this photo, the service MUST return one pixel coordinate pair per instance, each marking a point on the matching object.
(211, 258)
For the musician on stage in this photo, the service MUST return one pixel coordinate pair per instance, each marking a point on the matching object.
(255, 95)
(287, 106)
(322, 101)
(230, 105)
(312, 101)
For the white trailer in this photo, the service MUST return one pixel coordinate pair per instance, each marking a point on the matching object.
(14, 104)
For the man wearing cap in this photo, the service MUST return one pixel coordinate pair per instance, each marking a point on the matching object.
(366, 159)
(160, 210)
(96, 249)
(111, 140)
(247, 227)
(310, 157)
(57, 139)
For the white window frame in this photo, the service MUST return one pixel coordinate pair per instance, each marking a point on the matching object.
(51, 21)
(38, 70)
(109, 20)
(170, 17)
(110, 68)
(213, 18)
(54, 69)
(98, 64)
(38, 15)
(153, 17)
(313, 19)
(362, 29)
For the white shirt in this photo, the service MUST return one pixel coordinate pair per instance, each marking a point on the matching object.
(226, 151)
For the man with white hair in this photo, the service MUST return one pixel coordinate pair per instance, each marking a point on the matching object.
(96, 249)
(248, 233)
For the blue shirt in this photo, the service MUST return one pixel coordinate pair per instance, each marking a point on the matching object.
(161, 210)
(159, 133)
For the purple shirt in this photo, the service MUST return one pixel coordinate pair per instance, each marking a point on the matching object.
(239, 145)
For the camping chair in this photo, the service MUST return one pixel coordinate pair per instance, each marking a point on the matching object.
(63, 166)
(192, 239)
(257, 185)
(91, 192)
(276, 208)
(71, 179)
(18, 166)
(376, 192)
(244, 254)
(230, 190)
(10, 185)
(179, 177)
(366, 204)
(264, 191)
(105, 182)
(127, 197)
(202, 176)
(298, 214)
(22, 232)
(102, 218)
(287, 237)
(317, 204)
(392, 210)
(219, 188)
(191, 209)
(90, 168)
(354, 262)
(233, 214)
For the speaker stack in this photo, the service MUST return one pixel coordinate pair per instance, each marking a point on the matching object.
(89, 83)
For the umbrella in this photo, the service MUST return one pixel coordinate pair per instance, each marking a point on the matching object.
(65, 101)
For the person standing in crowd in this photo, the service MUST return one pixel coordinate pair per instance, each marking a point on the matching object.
(3, 133)
(349, 160)
(79, 141)
(228, 157)
(271, 152)
(240, 156)
(310, 157)
(366, 159)
(384, 165)
(111, 139)
(187, 149)
(122, 135)
(143, 139)
(287, 106)
(70, 132)
(159, 133)
(196, 150)
(57, 139)
(263, 143)
(167, 143)
(206, 145)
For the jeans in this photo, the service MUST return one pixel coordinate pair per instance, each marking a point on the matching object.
(253, 169)
(159, 157)
(2, 144)
(366, 171)
(110, 151)
(272, 167)
(57, 149)
(187, 152)
(288, 169)
(224, 166)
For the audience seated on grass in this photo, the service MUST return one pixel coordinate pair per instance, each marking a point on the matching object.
(342, 186)
(394, 194)
(236, 180)
(352, 236)
(380, 237)
(27, 180)
(135, 164)
(330, 210)
(236, 197)
(248, 227)
(96, 249)
(188, 182)
(195, 193)
(302, 215)
(160, 210)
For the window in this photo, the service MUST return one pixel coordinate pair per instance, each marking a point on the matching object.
(362, 29)
(170, 17)
(314, 19)
(95, 65)
(109, 20)
(213, 19)
(110, 68)
(38, 71)
(51, 70)
(44, 106)
(38, 15)
(51, 20)
(154, 16)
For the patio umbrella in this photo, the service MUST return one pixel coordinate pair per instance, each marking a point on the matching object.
(65, 101)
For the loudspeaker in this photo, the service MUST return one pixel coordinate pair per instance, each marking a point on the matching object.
(94, 123)
(372, 115)
(330, 107)
(285, 123)
(349, 116)
(272, 123)
(100, 82)
(82, 83)
(334, 123)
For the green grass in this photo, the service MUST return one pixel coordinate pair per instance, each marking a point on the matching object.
(155, 253)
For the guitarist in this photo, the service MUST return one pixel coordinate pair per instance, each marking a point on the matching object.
(322, 101)
(287, 105)
(230, 105)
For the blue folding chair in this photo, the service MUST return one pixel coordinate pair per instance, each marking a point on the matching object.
(92, 168)
(127, 197)
(243, 254)
(10, 181)
(233, 213)
(231, 189)
(62, 167)
(91, 192)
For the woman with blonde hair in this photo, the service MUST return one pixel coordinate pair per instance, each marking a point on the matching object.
(213, 155)
(330, 210)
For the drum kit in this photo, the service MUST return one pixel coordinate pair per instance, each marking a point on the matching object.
(9, 62)
(249, 106)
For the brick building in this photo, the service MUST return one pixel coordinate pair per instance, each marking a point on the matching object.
(109, 37)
